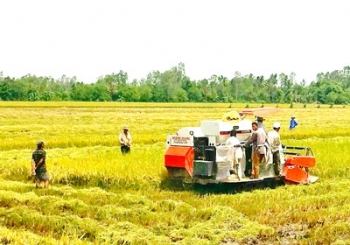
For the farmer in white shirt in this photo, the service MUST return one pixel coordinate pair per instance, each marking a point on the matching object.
(125, 140)
(235, 153)
(275, 144)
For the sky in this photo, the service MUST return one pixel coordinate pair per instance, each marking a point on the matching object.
(93, 38)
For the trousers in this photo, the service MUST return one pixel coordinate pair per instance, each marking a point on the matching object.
(257, 159)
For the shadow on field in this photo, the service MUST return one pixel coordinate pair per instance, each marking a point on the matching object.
(219, 188)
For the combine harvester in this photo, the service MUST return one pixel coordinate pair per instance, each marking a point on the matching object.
(198, 155)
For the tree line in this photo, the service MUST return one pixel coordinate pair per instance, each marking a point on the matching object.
(174, 86)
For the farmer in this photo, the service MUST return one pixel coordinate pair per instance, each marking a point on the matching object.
(258, 140)
(293, 123)
(235, 153)
(125, 140)
(275, 144)
(39, 165)
(261, 124)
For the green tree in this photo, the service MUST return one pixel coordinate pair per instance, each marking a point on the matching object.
(145, 90)
(114, 84)
(287, 87)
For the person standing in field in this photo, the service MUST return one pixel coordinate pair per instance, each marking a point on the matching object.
(261, 124)
(38, 163)
(258, 140)
(293, 123)
(275, 144)
(235, 153)
(125, 140)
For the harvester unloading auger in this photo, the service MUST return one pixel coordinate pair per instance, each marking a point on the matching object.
(199, 155)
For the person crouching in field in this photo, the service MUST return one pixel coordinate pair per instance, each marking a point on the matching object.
(125, 140)
(39, 165)
(293, 123)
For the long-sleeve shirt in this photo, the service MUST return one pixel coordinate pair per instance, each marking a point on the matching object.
(274, 140)
(293, 123)
(125, 139)
(261, 125)
(232, 142)
(258, 138)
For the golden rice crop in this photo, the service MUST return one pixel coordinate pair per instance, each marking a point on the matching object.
(99, 196)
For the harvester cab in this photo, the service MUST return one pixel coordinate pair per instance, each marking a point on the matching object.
(200, 155)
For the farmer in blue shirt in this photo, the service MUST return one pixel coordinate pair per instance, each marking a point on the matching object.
(293, 123)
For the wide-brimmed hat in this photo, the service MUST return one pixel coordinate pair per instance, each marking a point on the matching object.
(276, 125)
(126, 128)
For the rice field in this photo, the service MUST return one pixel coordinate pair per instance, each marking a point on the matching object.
(99, 196)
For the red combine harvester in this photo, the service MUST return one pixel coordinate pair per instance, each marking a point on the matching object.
(198, 155)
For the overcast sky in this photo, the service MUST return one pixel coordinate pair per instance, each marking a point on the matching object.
(90, 38)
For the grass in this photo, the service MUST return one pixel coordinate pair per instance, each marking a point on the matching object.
(98, 196)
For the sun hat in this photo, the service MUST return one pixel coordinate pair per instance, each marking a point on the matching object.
(276, 125)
